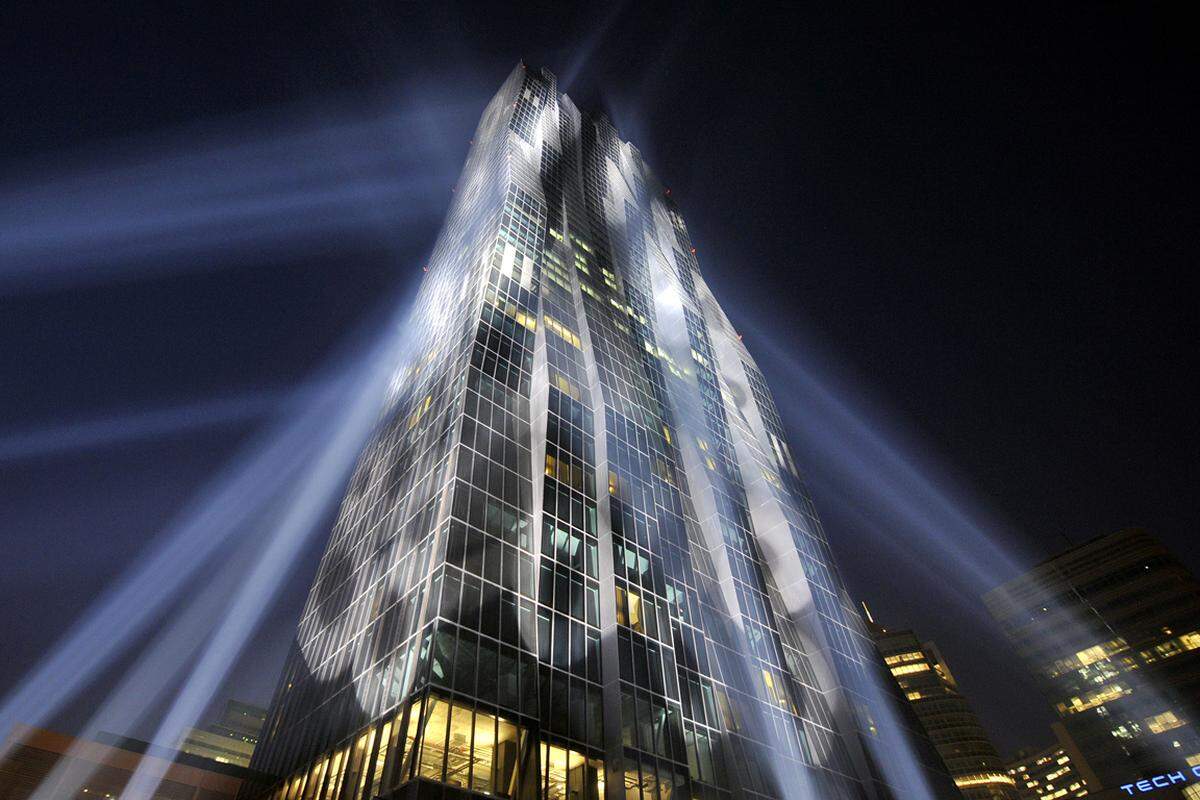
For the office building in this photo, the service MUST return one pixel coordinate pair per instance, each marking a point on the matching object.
(1111, 631)
(231, 739)
(577, 560)
(947, 717)
(1057, 771)
(65, 768)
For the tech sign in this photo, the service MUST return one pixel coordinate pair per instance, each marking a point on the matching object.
(1161, 781)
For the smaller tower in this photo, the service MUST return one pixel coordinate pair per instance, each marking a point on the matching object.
(1110, 630)
(927, 683)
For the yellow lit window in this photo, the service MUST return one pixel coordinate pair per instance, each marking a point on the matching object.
(900, 658)
(1165, 721)
(368, 741)
(335, 775)
(984, 779)
(635, 611)
(565, 333)
(410, 736)
(314, 779)
(1098, 698)
(633, 783)
(908, 669)
(484, 753)
(554, 765)
(419, 412)
(433, 739)
(458, 746)
(568, 388)
(1091, 655)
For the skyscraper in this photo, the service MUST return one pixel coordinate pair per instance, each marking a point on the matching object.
(926, 680)
(231, 739)
(1111, 631)
(577, 560)
(1054, 772)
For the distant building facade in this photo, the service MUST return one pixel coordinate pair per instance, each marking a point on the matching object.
(947, 717)
(98, 770)
(1111, 632)
(230, 740)
(1051, 773)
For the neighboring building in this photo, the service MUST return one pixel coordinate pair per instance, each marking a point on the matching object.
(1051, 773)
(578, 561)
(232, 738)
(85, 770)
(961, 741)
(1111, 631)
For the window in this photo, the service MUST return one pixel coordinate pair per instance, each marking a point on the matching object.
(433, 739)
(458, 748)
(629, 609)
(477, 749)
(380, 759)
(569, 775)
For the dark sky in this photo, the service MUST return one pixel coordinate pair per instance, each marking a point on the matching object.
(979, 227)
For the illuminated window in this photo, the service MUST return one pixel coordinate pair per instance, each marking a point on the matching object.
(509, 743)
(479, 750)
(367, 740)
(1163, 722)
(1091, 655)
(385, 734)
(1098, 698)
(485, 748)
(335, 775)
(314, 779)
(433, 739)
(554, 764)
(565, 333)
(984, 779)
(353, 762)
(908, 669)
(569, 775)
(633, 783)
(410, 736)
(635, 611)
(769, 684)
(900, 658)
(458, 746)
(568, 388)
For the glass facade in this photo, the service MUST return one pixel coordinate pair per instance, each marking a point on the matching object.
(578, 560)
(1048, 774)
(1110, 632)
(947, 717)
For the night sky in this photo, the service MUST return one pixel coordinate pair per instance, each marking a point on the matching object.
(979, 229)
